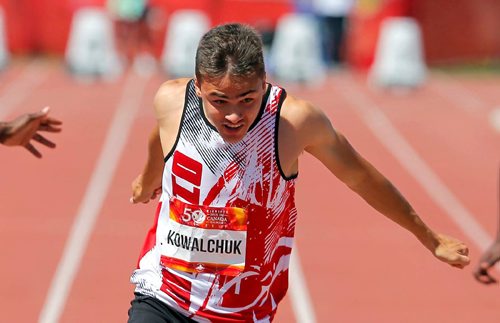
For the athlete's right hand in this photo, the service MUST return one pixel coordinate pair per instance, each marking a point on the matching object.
(452, 251)
(141, 194)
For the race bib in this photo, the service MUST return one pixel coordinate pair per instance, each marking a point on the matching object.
(205, 239)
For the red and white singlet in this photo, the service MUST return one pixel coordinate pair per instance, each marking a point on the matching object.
(220, 246)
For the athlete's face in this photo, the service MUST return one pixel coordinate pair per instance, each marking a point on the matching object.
(231, 104)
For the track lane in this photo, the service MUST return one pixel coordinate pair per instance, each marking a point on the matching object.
(103, 277)
(395, 280)
(359, 267)
(39, 197)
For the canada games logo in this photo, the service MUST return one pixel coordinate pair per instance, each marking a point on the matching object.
(198, 216)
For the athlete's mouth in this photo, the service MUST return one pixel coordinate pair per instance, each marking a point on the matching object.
(233, 126)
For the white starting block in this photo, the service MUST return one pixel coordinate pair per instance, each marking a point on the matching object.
(91, 47)
(399, 58)
(4, 52)
(184, 32)
(296, 51)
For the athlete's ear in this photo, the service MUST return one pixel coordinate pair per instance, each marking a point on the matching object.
(197, 87)
(264, 84)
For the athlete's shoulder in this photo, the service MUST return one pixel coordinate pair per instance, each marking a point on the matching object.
(300, 112)
(170, 96)
(171, 89)
(304, 122)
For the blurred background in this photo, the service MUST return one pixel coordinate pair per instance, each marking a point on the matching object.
(453, 32)
(413, 84)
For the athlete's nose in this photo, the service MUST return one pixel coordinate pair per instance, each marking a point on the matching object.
(234, 116)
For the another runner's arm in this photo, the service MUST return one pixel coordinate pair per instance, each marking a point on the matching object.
(334, 151)
(27, 128)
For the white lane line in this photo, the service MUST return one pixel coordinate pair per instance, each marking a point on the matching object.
(466, 100)
(23, 86)
(461, 97)
(494, 119)
(299, 293)
(402, 150)
(94, 197)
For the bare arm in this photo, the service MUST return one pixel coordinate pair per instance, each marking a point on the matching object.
(168, 108)
(319, 138)
(147, 186)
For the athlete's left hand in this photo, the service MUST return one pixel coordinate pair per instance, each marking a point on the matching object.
(452, 251)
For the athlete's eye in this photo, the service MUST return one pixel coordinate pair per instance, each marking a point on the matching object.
(248, 100)
(219, 102)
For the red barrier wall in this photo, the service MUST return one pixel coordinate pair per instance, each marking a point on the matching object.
(40, 25)
(453, 31)
(43, 25)
(459, 30)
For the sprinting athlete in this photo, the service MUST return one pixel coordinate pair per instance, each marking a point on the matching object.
(224, 157)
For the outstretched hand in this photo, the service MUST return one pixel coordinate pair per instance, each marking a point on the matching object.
(27, 127)
(452, 251)
(488, 260)
(141, 194)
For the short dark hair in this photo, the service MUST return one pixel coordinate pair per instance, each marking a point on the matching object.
(230, 48)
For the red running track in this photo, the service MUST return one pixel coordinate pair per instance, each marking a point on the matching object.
(433, 143)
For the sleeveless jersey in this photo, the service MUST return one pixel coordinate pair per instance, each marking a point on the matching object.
(220, 247)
